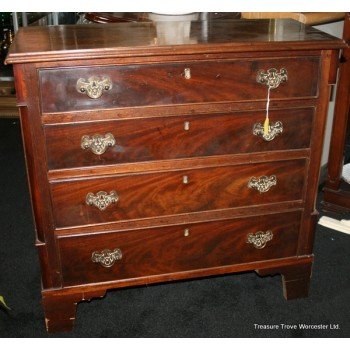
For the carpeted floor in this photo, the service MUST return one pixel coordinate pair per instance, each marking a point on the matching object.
(225, 306)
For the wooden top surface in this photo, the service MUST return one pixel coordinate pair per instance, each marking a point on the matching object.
(89, 41)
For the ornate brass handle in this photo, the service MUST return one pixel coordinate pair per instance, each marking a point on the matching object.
(102, 200)
(263, 183)
(259, 239)
(107, 257)
(98, 143)
(94, 86)
(274, 130)
(272, 78)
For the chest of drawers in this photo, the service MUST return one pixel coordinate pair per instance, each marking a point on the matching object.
(152, 162)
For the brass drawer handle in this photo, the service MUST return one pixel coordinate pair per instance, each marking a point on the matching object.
(274, 130)
(94, 86)
(259, 239)
(102, 200)
(98, 143)
(272, 78)
(107, 257)
(263, 183)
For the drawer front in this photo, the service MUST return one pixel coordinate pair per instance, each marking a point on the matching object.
(172, 249)
(128, 141)
(129, 197)
(88, 88)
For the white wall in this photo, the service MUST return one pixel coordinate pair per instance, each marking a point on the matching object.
(335, 29)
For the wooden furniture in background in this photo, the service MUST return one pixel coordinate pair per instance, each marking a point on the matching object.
(336, 190)
(309, 18)
(8, 106)
(116, 17)
(149, 162)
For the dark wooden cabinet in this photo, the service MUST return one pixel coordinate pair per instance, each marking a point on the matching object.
(149, 162)
(336, 190)
(8, 108)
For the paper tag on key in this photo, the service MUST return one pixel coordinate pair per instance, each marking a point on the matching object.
(267, 120)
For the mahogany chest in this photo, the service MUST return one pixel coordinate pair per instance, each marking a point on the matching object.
(153, 160)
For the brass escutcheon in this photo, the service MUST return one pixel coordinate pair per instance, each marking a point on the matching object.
(274, 130)
(272, 78)
(263, 183)
(97, 143)
(102, 200)
(107, 257)
(94, 86)
(259, 239)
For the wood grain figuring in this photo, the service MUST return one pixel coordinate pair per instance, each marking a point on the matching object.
(166, 250)
(32, 134)
(179, 58)
(171, 277)
(308, 224)
(169, 179)
(165, 84)
(166, 138)
(173, 110)
(61, 43)
(170, 164)
(21, 87)
(160, 194)
(190, 218)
